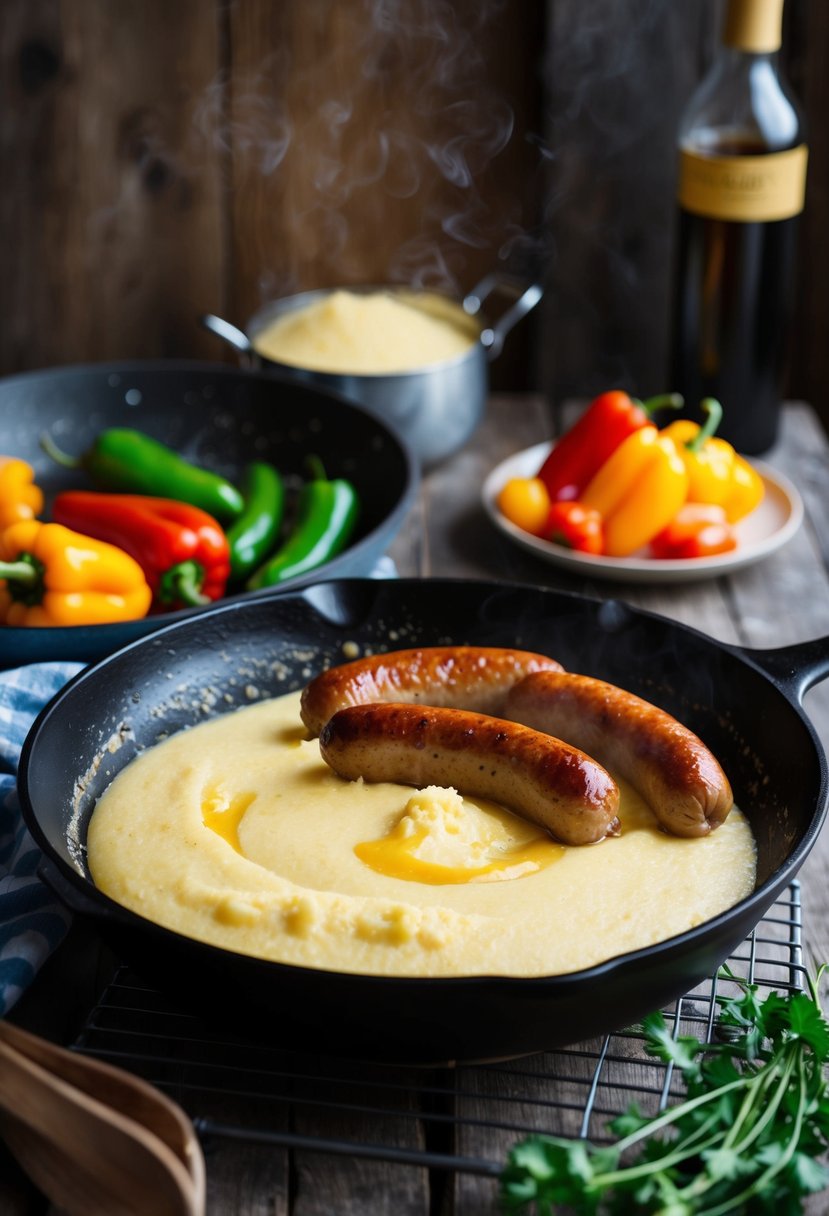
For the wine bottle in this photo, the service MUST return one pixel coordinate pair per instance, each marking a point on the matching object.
(742, 178)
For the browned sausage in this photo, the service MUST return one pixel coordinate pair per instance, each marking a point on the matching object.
(461, 677)
(668, 764)
(537, 777)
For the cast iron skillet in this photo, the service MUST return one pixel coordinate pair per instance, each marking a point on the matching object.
(213, 415)
(745, 705)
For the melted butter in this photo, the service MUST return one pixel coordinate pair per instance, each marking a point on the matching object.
(440, 840)
(223, 815)
(636, 816)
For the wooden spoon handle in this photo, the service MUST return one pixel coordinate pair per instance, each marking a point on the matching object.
(130, 1095)
(86, 1157)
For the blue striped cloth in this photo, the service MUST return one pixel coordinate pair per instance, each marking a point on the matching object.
(32, 922)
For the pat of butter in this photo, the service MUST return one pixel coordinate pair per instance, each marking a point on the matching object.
(443, 838)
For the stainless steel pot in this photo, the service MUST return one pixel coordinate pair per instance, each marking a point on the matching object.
(435, 408)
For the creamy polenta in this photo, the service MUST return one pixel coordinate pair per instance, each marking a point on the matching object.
(368, 333)
(235, 832)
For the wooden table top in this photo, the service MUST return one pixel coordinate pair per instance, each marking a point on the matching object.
(784, 599)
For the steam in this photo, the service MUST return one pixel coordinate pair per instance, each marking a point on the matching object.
(344, 159)
(260, 131)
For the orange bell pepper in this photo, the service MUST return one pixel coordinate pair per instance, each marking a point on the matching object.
(20, 498)
(50, 575)
(637, 491)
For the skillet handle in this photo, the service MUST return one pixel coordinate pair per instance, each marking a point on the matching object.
(66, 891)
(795, 669)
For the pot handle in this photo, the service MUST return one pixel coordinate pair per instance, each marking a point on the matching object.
(795, 669)
(492, 337)
(231, 334)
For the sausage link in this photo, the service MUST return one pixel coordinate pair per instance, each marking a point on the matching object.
(460, 677)
(665, 762)
(539, 778)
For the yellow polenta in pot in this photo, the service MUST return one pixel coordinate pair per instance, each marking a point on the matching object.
(370, 333)
(235, 832)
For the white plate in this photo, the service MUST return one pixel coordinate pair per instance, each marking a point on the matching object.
(762, 532)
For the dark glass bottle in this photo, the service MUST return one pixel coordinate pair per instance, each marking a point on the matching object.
(741, 184)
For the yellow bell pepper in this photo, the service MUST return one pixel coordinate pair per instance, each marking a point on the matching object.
(50, 575)
(20, 498)
(716, 473)
(638, 490)
(746, 493)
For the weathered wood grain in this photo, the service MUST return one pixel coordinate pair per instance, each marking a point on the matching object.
(243, 1178)
(343, 1107)
(496, 1106)
(455, 544)
(110, 207)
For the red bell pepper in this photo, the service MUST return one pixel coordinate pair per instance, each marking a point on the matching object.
(575, 526)
(697, 530)
(182, 550)
(582, 450)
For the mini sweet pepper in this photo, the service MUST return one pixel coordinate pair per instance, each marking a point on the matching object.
(182, 550)
(525, 502)
(20, 497)
(638, 490)
(589, 443)
(575, 526)
(698, 529)
(50, 575)
(716, 473)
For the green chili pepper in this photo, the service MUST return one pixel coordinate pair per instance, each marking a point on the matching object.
(326, 515)
(254, 533)
(125, 459)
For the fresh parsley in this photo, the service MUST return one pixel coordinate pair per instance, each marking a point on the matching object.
(746, 1139)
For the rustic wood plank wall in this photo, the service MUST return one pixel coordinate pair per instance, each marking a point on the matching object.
(111, 219)
(162, 160)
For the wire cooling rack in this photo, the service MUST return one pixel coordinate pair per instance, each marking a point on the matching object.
(316, 1117)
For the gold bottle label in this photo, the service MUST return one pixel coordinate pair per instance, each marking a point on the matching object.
(743, 188)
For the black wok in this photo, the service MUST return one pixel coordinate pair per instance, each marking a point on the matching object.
(213, 415)
(745, 705)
